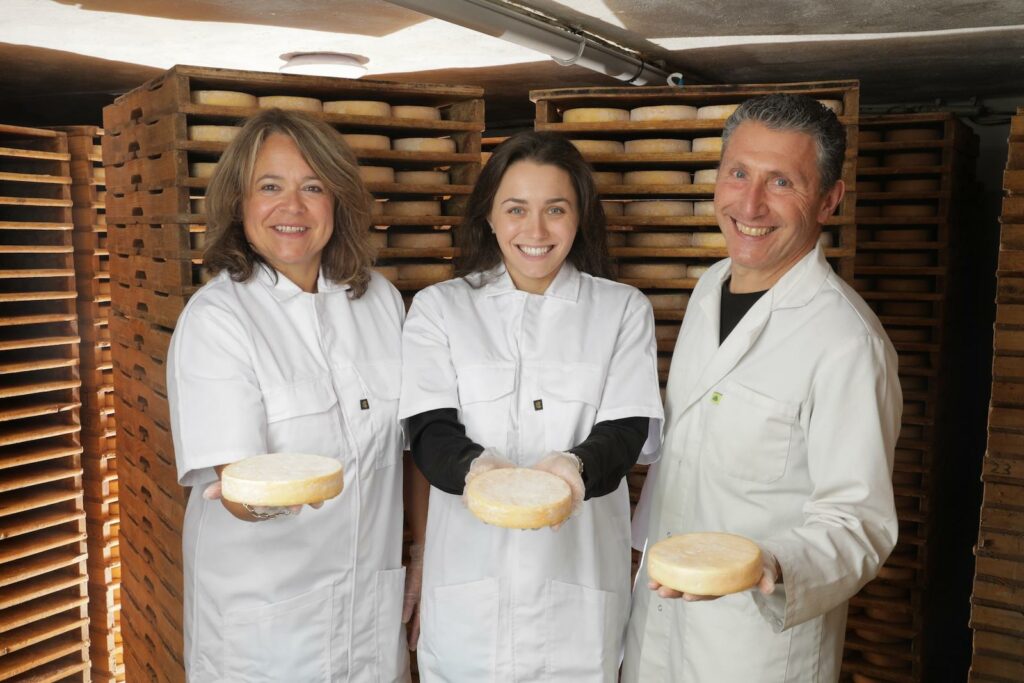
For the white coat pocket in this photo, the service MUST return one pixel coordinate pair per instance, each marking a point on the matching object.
(389, 632)
(381, 387)
(748, 434)
(464, 624)
(571, 396)
(580, 643)
(287, 640)
(485, 393)
(301, 417)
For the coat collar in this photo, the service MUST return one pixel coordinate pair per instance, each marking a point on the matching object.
(565, 286)
(283, 289)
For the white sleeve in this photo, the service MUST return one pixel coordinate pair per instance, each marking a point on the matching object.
(217, 412)
(428, 375)
(850, 522)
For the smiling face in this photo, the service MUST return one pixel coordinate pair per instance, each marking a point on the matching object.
(534, 218)
(287, 213)
(769, 203)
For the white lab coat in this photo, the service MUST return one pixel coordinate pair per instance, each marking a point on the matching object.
(262, 367)
(784, 434)
(529, 374)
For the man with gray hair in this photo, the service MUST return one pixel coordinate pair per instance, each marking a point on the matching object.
(782, 412)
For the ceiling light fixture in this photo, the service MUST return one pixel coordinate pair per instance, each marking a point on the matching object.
(332, 64)
(562, 44)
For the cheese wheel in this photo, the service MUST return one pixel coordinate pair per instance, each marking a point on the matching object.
(902, 235)
(358, 108)
(708, 240)
(607, 178)
(656, 178)
(912, 134)
(663, 112)
(379, 238)
(705, 208)
(594, 115)
(657, 270)
(835, 105)
(659, 207)
(911, 185)
(362, 141)
(695, 272)
(706, 176)
(717, 111)
(224, 98)
(377, 174)
(615, 239)
(912, 159)
(388, 272)
(420, 113)
(282, 479)
(657, 146)
(519, 498)
(377, 208)
(908, 210)
(612, 208)
(598, 146)
(412, 208)
(666, 331)
(424, 271)
(420, 240)
(292, 103)
(707, 144)
(423, 177)
(668, 302)
(446, 145)
(201, 169)
(213, 133)
(705, 563)
(658, 239)
(869, 135)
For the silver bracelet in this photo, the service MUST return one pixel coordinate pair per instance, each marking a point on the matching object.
(264, 515)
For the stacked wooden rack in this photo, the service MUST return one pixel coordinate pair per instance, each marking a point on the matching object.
(914, 175)
(997, 615)
(44, 618)
(655, 156)
(92, 272)
(419, 148)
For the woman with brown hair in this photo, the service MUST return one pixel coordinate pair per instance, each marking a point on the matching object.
(530, 359)
(293, 346)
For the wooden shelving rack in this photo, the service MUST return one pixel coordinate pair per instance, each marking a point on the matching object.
(156, 234)
(914, 179)
(44, 618)
(997, 606)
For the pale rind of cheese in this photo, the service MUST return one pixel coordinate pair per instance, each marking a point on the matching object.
(201, 169)
(658, 239)
(412, 111)
(705, 208)
(388, 272)
(908, 210)
(224, 98)
(377, 208)
(705, 563)
(912, 134)
(696, 272)
(653, 271)
(717, 111)
(377, 174)
(912, 159)
(607, 178)
(424, 271)
(594, 115)
(598, 146)
(291, 103)
(519, 498)
(423, 177)
(910, 185)
(656, 178)
(420, 240)
(379, 238)
(358, 108)
(612, 208)
(711, 144)
(706, 176)
(708, 239)
(835, 105)
(657, 146)
(364, 141)
(282, 479)
(412, 208)
(659, 207)
(668, 302)
(446, 145)
(206, 133)
(663, 112)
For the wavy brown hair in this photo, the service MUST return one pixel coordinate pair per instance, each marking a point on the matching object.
(348, 254)
(479, 249)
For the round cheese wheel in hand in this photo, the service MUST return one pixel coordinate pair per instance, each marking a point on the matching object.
(705, 563)
(519, 498)
(282, 479)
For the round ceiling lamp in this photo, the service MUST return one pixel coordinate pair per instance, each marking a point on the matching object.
(332, 64)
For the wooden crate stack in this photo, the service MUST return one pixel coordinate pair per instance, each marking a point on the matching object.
(44, 619)
(997, 606)
(914, 176)
(88, 190)
(657, 253)
(157, 172)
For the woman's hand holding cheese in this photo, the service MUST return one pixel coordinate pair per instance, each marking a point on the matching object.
(568, 468)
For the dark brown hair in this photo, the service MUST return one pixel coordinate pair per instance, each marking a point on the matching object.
(348, 254)
(479, 249)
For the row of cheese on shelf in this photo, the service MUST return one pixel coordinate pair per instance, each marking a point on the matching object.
(663, 112)
(369, 174)
(229, 98)
(649, 146)
(702, 177)
(381, 207)
(916, 210)
(357, 141)
(658, 208)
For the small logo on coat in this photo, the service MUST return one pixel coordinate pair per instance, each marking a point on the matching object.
(538, 404)
(716, 398)
(364, 404)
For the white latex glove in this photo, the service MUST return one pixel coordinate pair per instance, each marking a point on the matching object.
(564, 466)
(413, 588)
(771, 574)
(489, 459)
(212, 492)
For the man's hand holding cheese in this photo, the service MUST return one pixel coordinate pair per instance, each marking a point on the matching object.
(782, 411)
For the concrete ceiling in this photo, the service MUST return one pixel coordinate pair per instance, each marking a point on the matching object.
(63, 59)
